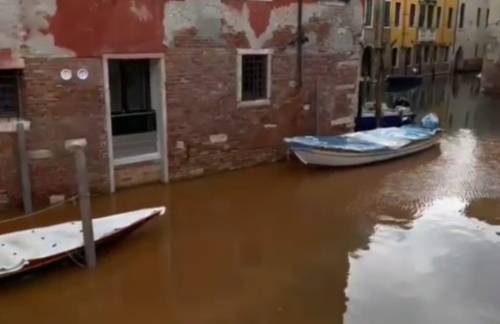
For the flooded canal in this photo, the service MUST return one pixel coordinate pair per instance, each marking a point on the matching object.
(416, 240)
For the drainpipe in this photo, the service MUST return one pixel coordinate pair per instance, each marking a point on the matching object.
(300, 9)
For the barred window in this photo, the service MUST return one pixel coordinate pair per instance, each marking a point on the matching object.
(9, 93)
(254, 76)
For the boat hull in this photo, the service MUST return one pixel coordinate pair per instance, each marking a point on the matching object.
(35, 263)
(337, 158)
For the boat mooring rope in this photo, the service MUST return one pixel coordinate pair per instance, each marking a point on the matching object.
(73, 258)
(41, 211)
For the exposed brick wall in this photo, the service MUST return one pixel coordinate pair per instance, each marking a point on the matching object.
(137, 174)
(61, 110)
(201, 95)
(9, 177)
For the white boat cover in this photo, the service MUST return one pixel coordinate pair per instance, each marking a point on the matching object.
(392, 138)
(19, 248)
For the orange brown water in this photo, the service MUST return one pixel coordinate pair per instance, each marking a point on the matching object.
(414, 240)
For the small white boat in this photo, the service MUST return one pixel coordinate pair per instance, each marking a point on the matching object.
(363, 147)
(33, 248)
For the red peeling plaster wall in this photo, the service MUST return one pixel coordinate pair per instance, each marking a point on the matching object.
(91, 28)
(260, 12)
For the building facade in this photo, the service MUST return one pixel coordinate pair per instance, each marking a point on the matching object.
(418, 35)
(491, 66)
(165, 89)
(472, 35)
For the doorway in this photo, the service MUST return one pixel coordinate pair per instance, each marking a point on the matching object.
(136, 111)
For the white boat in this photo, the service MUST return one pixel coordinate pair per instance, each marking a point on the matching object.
(345, 158)
(33, 248)
(363, 147)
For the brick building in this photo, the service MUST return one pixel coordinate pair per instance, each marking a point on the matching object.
(165, 89)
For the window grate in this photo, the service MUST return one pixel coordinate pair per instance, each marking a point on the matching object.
(254, 77)
(9, 93)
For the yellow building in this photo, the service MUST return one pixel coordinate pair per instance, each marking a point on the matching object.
(422, 34)
(404, 27)
(446, 25)
(404, 32)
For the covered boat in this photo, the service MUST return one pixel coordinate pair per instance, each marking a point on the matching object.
(33, 248)
(364, 147)
(403, 83)
(398, 115)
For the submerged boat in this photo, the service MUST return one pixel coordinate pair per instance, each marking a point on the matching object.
(30, 249)
(364, 147)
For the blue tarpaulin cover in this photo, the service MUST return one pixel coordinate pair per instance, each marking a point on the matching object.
(391, 138)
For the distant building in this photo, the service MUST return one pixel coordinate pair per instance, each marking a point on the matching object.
(473, 18)
(168, 89)
(370, 42)
(417, 38)
(491, 67)
(435, 36)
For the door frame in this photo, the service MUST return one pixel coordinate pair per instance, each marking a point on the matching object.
(161, 118)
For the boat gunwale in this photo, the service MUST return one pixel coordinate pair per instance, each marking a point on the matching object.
(35, 264)
(353, 153)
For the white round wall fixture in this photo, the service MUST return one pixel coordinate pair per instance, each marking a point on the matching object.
(66, 74)
(83, 74)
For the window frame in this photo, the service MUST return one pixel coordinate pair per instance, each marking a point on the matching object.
(430, 16)
(461, 21)
(371, 16)
(439, 14)
(395, 62)
(422, 12)
(19, 103)
(413, 14)
(239, 75)
(449, 22)
(387, 13)
(427, 54)
(408, 56)
(446, 54)
(398, 15)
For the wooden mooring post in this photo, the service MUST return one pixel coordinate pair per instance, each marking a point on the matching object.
(24, 168)
(77, 147)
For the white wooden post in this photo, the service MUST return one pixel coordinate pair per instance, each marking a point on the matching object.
(77, 147)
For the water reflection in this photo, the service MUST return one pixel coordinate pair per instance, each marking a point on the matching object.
(457, 100)
(441, 264)
(445, 270)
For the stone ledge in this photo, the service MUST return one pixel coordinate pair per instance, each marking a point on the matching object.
(9, 125)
